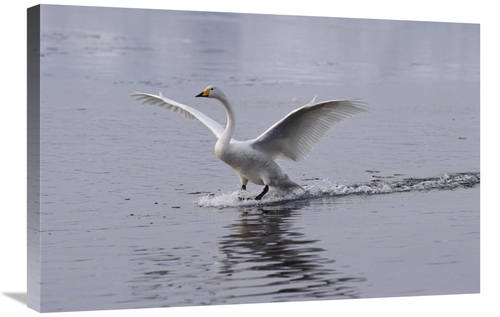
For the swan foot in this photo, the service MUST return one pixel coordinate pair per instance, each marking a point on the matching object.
(243, 188)
(243, 198)
(259, 197)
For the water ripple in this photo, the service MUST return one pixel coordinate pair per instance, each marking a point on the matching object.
(328, 189)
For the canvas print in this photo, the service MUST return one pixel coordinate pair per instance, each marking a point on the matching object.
(180, 158)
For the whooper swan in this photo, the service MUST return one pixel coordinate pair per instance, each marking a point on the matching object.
(292, 138)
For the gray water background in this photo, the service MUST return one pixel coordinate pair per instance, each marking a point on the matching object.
(138, 212)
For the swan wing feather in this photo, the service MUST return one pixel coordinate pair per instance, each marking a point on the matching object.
(294, 136)
(186, 111)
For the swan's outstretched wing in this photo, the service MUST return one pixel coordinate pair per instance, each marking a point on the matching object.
(184, 110)
(294, 136)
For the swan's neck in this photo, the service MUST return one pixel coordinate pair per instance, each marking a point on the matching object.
(229, 131)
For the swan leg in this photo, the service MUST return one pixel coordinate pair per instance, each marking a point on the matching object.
(243, 188)
(243, 182)
(266, 188)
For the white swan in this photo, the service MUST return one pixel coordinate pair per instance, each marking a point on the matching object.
(291, 138)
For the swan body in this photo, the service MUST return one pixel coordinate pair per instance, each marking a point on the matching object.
(291, 138)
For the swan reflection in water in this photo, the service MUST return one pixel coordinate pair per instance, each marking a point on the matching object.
(263, 257)
(282, 264)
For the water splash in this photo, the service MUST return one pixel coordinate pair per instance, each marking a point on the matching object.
(328, 189)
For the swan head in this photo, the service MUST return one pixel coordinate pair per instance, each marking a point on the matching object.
(212, 92)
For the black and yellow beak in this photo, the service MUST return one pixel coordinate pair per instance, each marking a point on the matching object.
(204, 93)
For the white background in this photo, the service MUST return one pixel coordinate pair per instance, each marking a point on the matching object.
(13, 154)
